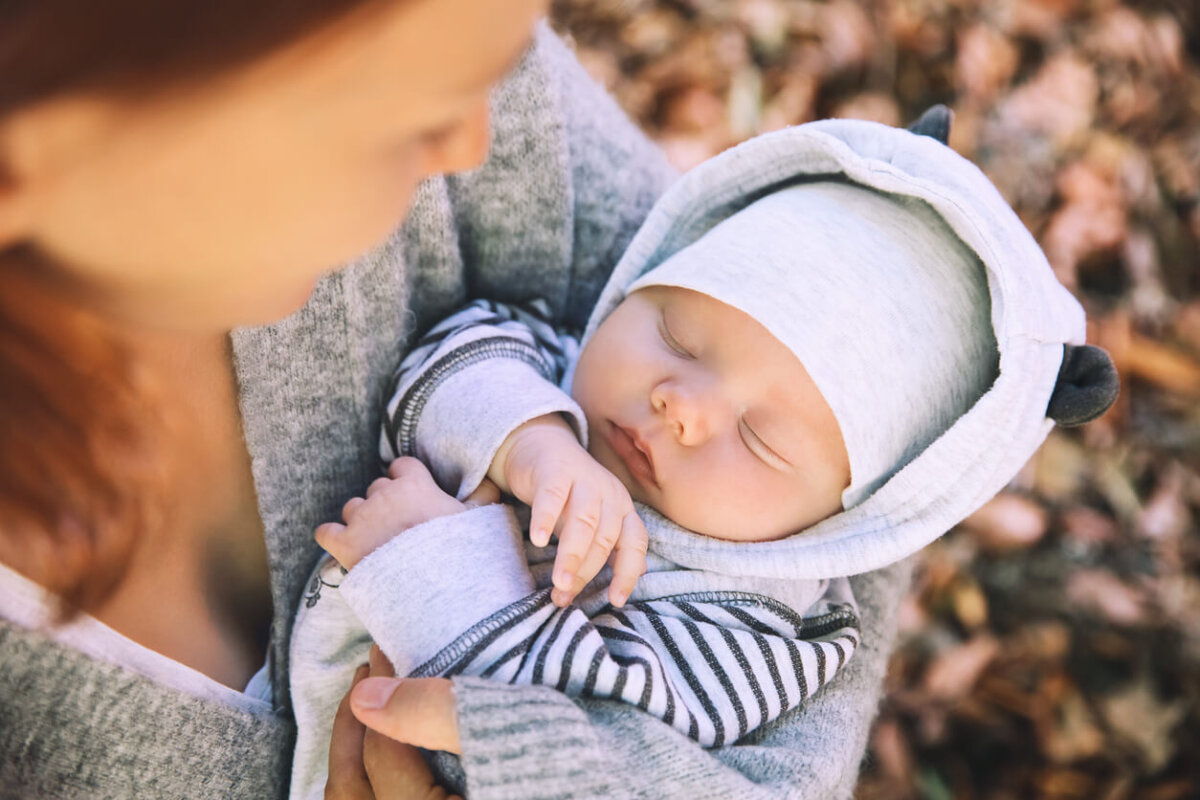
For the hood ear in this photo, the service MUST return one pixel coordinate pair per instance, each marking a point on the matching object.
(1087, 386)
(934, 122)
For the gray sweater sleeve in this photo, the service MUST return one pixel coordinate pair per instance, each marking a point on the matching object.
(531, 741)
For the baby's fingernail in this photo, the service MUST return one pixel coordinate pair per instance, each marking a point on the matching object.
(374, 693)
(559, 598)
(562, 579)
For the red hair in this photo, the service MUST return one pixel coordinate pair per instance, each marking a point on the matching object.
(82, 474)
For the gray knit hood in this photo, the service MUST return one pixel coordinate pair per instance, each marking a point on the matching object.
(1036, 322)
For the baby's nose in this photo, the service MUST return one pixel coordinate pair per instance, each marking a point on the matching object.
(686, 409)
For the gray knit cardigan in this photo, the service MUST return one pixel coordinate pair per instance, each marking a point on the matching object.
(568, 182)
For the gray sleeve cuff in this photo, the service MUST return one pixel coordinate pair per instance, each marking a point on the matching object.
(430, 584)
(472, 412)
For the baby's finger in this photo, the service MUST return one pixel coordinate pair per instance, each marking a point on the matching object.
(629, 559)
(544, 512)
(351, 506)
(597, 554)
(377, 484)
(583, 516)
(406, 465)
(326, 534)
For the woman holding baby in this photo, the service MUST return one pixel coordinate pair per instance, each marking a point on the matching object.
(220, 226)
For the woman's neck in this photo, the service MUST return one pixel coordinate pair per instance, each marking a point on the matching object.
(198, 588)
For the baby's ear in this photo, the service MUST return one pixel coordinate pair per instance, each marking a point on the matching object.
(934, 122)
(1087, 386)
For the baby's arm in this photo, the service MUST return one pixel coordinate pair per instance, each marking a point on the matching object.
(544, 465)
(714, 665)
(478, 396)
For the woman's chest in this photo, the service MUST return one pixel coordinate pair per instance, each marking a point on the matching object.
(198, 587)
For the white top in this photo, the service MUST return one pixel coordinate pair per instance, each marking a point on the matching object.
(28, 605)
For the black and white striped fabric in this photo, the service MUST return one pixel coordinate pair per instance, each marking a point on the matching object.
(482, 330)
(713, 665)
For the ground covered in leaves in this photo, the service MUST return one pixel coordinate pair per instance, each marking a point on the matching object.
(1050, 647)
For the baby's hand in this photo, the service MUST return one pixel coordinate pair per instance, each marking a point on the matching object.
(404, 499)
(544, 465)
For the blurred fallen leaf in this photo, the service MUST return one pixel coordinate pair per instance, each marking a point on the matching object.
(745, 102)
(970, 604)
(955, 670)
(1088, 526)
(1138, 717)
(1165, 516)
(1163, 366)
(1061, 467)
(1070, 733)
(848, 36)
(873, 106)
(1100, 592)
(1006, 523)
(891, 750)
(1091, 221)
(985, 63)
(1059, 101)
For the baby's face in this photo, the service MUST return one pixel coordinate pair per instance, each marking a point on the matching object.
(710, 419)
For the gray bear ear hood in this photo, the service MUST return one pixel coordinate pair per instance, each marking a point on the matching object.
(1034, 320)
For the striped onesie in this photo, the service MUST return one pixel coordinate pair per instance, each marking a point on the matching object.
(713, 655)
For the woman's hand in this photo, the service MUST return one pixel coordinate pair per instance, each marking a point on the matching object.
(368, 765)
(416, 711)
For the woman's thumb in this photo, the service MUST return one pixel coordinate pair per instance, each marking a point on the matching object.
(418, 711)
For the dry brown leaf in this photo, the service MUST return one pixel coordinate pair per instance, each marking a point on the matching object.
(970, 604)
(695, 109)
(652, 32)
(1166, 516)
(1091, 221)
(1163, 366)
(1006, 523)
(954, 671)
(1139, 718)
(793, 103)
(1070, 733)
(1187, 325)
(685, 152)
(847, 34)
(1088, 526)
(767, 23)
(1059, 102)
(1100, 592)
(1038, 18)
(875, 106)
(891, 750)
(1060, 467)
(1066, 784)
(985, 63)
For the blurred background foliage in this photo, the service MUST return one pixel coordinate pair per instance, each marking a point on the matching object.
(1050, 646)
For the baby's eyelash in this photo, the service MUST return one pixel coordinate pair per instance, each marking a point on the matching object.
(670, 340)
(771, 455)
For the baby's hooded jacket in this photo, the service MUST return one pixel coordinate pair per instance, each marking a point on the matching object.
(719, 636)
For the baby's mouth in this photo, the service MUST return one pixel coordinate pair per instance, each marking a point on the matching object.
(633, 453)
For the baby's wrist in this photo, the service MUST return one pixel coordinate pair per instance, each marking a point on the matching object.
(550, 428)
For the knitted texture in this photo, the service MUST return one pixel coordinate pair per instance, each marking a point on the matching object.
(568, 182)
